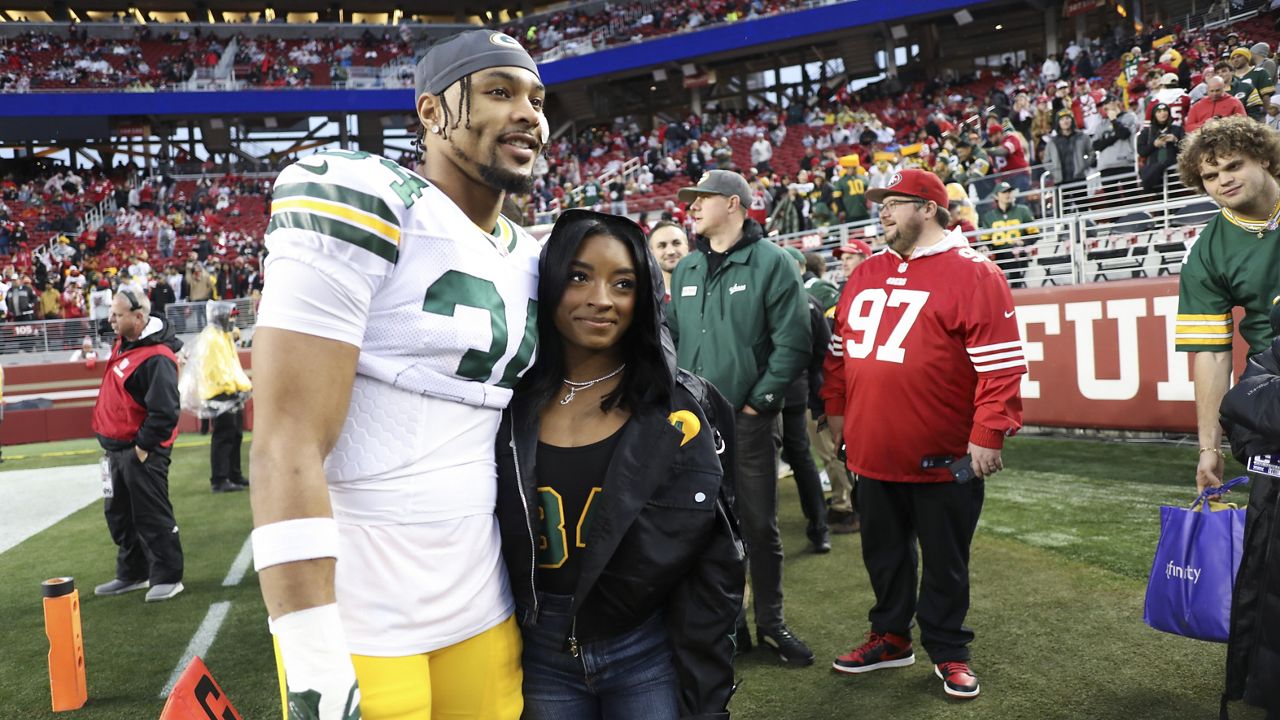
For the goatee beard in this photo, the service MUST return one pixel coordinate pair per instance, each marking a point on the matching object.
(505, 180)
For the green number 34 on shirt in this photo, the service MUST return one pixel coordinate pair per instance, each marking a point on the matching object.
(456, 289)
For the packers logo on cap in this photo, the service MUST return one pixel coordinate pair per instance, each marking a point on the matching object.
(687, 423)
(504, 40)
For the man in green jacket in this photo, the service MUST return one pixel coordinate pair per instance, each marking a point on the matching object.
(739, 318)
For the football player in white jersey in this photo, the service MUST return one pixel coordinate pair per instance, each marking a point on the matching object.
(399, 311)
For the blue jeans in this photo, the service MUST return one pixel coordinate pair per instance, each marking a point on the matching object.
(628, 677)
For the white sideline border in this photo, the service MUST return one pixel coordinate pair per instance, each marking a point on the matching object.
(205, 635)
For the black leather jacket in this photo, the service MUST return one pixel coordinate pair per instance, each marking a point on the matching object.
(662, 538)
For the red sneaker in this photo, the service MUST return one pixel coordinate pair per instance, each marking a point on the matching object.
(879, 651)
(957, 679)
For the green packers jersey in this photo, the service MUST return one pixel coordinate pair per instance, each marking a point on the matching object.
(852, 191)
(1233, 262)
(1006, 225)
(1261, 80)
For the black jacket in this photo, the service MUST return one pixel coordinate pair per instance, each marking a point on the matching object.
(154, 385)
(663, 536)
(1251, 416)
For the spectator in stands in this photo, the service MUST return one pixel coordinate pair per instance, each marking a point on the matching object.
(1273, 112)
(823, 208)
(1114, 138)
(1242, 65)
(1068, 152)
(617, 191)
(751, 357)
(1170, 93)
(1216, 103)
(50, 303)
(1158, 147)
(851, 255)
(787, 217)
(761, 153)
(1010, 233)
(100, 305)
(1240, 89)
(161, 294)
(1010, 153)
(973, 167)
(23, 301)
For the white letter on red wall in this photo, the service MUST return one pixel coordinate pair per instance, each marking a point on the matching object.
(1126, 313)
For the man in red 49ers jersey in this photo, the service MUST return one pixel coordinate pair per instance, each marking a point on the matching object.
(926, 328)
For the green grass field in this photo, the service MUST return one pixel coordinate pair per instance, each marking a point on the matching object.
(1059, 570)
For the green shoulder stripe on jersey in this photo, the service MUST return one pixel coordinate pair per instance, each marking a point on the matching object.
(506, 234)
(361, 238)
(364, 202)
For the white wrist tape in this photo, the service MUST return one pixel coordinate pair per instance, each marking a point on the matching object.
(293, 540)
(314, 650)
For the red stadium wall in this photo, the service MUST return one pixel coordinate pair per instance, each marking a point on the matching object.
(72, 387)
(1099, 356)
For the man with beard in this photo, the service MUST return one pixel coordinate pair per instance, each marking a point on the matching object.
(398, 313)
(1235, 161)
(925, 329)
(668, 243)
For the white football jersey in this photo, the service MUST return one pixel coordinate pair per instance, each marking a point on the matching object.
(444, 313)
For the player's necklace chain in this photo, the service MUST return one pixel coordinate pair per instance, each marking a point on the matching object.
(574, 387)
(1259, 227)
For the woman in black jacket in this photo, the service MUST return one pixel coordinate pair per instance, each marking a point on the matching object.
(623, 554)
(1158, 147)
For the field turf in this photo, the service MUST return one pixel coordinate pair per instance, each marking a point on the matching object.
(1059, 569)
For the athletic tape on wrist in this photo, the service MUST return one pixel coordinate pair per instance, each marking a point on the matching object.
(314, 650)
(293, 540)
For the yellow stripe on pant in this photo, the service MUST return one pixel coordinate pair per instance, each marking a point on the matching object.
(479, 678)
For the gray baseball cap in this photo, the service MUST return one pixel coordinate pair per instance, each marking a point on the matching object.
(719, 182)
(449, 61)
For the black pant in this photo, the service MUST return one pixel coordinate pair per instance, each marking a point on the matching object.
(757, 439)
(943, 517)
(140, 518)
(795, 450)
(224, 446)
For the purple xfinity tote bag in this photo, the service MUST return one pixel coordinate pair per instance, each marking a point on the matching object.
(1189, 591)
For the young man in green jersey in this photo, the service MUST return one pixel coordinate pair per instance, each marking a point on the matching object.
(1245, 73)
(1010, 227)
(1236, 261)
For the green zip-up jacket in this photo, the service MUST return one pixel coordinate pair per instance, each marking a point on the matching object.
(745, 328)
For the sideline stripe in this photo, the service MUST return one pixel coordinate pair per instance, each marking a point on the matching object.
(96, 451)
(241, 564)
(200, 642)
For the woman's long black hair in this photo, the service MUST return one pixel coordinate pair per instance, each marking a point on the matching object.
(648, 377)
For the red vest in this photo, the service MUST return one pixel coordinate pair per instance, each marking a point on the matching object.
(116, 415)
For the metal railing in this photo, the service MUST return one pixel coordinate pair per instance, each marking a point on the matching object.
(56, 340)
(1105, 243)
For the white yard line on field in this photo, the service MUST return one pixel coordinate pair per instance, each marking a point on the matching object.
(36, 499)
(200, 642)
(240, 565)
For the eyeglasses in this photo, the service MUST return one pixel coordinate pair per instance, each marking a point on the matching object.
(133, 300)
(889, 206)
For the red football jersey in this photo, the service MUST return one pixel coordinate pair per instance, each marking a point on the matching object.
(925, 358)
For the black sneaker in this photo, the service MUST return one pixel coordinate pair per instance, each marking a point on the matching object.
(240, 480)
(789, 647)
(742, 638)
(226, 486)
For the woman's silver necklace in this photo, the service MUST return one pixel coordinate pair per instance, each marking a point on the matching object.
(574, 387)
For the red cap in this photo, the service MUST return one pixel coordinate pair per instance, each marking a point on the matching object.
(912, 183)
(853, 247)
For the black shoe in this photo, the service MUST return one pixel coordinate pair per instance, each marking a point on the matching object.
(821, 540)
(240, 480)
(226, 486)
(742, 639)
(789, 647)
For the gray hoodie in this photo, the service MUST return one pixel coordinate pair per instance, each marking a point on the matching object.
(1113, 141)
